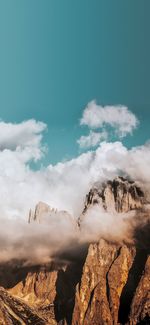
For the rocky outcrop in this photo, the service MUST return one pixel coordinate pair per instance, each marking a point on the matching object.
(109, 283)
(104, 276)
(14, 311)
(91, 295)
(114, 287)
(43, 212)
(120, 195)
(38, 290)
(50, 291)
(140, 307)
(111, 287)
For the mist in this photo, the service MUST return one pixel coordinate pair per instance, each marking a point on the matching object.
(63, 186)
(41, 243)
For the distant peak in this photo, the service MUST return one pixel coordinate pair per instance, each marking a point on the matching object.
(43, 211)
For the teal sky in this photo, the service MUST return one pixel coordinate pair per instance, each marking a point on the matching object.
(57, 55)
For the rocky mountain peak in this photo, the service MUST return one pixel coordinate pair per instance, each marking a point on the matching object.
(120, 195)
(103, 282)
(41, 209)
(43, 212)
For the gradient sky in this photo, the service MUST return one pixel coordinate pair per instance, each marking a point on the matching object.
(57, 55)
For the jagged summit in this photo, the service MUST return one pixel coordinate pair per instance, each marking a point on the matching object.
(43, 211)
(108, 284)
(120, 195)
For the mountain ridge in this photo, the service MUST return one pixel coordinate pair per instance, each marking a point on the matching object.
(107, 283)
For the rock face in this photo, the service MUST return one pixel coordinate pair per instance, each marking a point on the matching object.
(114, 287)
(140, 307)
(50, 291)
(109, 283)
(15, 312)
(115, 283)
(118, 195)
(43, 212)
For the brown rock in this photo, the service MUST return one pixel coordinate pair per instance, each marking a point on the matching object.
(108, 286)
(140, 308)
(92, 290)
(117, 278)
(119, 195)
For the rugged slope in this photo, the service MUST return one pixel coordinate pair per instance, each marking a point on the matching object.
(50, 291)
(15, 311)
(105, 282)
(120, 195)
(115, 283)
(114, 287)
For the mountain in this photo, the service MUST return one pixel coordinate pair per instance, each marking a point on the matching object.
(114, 287)
(97, 283)
(115, 282)
(120, 195)
(44, 213)
(14, 311)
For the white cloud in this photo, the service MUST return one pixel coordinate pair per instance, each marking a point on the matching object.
(92, 139)
(63, 185)
(25, 136)
(119, 117)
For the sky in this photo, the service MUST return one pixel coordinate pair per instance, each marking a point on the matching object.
(74, 111)
(58, 56)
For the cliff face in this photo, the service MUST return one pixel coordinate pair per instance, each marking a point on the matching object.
(44, 213)
(50, 291)
(109, 283)
(14, 311)
(118, 195)
(114, 287)
(115, 283)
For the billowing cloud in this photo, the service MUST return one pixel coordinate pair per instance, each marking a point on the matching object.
(92, 139)
(63, 186)
(25, 136)
(118, 117)
(35, 243)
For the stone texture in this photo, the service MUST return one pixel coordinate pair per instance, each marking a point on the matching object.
(117, 278)
(140, 308)
(15, 311)
(99, 259)
(118, 195)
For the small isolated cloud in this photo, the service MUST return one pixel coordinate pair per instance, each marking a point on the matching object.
(92, 139)
(118, 117)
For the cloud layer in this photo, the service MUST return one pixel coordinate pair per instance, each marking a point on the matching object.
(63, 185)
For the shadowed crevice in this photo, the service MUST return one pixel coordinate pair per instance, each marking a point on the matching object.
(129, 289)
(66, 283)
(145, 321)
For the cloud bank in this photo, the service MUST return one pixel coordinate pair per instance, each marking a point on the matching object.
(64, 185)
